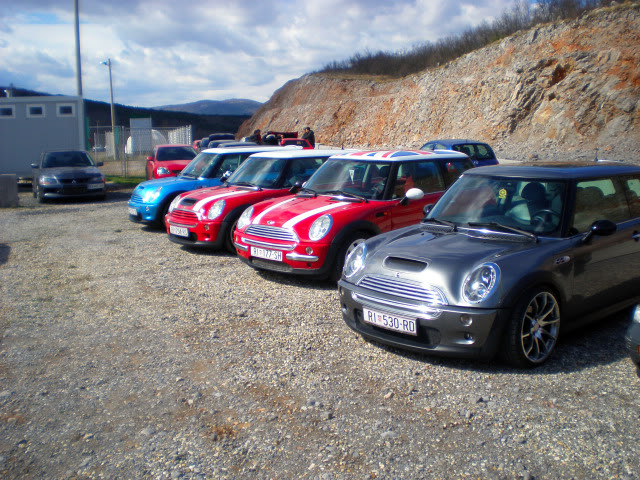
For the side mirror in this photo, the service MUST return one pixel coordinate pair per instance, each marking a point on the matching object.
(601, 228)
(99, 164)
(412, 194)
(150, 159)
(296, 187)
(34, 165)
(225, 176)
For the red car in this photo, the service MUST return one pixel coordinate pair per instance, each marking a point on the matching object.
(301, 142)
(207, 217)
(352, 197)
(169, 160)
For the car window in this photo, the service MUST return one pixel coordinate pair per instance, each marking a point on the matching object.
(632, 185)
(455, 168)
(423, 175)
(301, 169)
(483, 152)
(600, 199)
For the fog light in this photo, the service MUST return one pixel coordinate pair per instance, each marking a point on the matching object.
(206, 227)
(466, 320)
(308, 250)
(468, 336)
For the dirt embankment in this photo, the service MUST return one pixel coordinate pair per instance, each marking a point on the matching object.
(558, 91)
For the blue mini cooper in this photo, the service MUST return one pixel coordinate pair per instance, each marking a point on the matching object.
(150, 200)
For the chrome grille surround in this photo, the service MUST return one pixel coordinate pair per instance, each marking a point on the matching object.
(272, 233)
(402, 289)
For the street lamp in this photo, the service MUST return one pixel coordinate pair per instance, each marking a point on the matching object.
(113, 110)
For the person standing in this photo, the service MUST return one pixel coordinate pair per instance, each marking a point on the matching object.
(309, 136)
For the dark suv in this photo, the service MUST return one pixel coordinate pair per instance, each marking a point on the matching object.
(480, 153)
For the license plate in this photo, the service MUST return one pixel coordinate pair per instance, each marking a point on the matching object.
(390, 322)
(274, 255)
(133, 211)
(180, 231)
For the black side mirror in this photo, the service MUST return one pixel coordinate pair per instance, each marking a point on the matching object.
(296, 187)
(225, 176)
(34, 165)
(426, 209)
(601, 228)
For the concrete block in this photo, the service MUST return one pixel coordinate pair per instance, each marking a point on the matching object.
(9, 191)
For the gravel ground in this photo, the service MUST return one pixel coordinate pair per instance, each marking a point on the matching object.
(124, 355)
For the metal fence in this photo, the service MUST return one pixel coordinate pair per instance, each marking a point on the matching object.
(125, 153)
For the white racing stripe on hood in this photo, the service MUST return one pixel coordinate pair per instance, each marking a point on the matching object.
(197, 206)
(267, 210)
(297, 219)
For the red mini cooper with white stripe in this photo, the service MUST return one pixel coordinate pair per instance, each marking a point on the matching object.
(350, 198)
(207, 217)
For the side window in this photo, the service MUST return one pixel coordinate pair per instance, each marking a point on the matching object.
(632, 186)
(601, 199)
(423, 175)
(483, 152)
(455, 168)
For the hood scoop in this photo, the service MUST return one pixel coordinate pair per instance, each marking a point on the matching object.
(405, 264)
(188, 202)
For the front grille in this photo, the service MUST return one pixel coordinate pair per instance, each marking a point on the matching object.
(184, 216)
(402, 289)
(73, 189)
(136, 198)
(73, 181)
(272, 233)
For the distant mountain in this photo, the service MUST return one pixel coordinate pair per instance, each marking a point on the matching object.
(235, 106)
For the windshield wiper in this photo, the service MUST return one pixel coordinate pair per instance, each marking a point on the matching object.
(307, 192)
(442, 222)
(504, 228)
(342, 193)
(246, 184)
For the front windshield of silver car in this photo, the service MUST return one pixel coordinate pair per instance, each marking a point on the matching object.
(199, 165)
(531, 205)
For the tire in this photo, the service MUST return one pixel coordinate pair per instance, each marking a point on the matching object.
(40, 194)
(163, 211)
(228, 236)
(350, 242)
(532, 332)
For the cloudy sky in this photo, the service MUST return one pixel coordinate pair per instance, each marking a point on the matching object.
(171, 52)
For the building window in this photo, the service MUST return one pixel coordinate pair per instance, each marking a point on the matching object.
(8, 111)
(66, 110)
(35, 111)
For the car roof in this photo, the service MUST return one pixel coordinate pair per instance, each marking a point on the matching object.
(455, 141)
(249, 148)
(557, 170)
(174, 145)
(288, 153)
(397, 156)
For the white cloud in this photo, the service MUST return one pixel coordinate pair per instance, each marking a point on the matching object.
(167, 52)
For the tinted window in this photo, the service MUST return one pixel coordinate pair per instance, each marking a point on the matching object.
(632, 185)
(423, 175)
(601, 199)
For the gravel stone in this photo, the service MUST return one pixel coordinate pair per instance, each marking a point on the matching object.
(124, 355)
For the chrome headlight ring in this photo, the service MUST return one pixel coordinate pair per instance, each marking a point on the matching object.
(481, 282)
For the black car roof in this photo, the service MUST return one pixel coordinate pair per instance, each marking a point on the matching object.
(557, 170)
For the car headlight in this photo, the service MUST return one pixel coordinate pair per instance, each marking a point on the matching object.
(480, 283)
(355, 261)
(245, 218)
(151, 195)
(635, 315)
(48, 180)
(162, 170)
(216, 209)
(174, 203)
(320, 227)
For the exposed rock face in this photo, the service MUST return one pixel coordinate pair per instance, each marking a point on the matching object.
(555, 92)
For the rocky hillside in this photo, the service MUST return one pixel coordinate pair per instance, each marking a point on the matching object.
(558, 91)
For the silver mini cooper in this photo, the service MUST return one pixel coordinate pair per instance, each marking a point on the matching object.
(506, 260)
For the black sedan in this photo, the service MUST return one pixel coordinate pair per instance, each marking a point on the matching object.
(64, 174)
(508, 259)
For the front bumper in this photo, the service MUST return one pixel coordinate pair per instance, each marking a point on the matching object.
(142, 212)
(439, 332)
(296, 259)
(72, 191)
(202, 234)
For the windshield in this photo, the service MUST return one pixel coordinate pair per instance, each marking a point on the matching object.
(531, 205)
(67, 159)
(199, 165)
(365, 179)
(260, 172)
